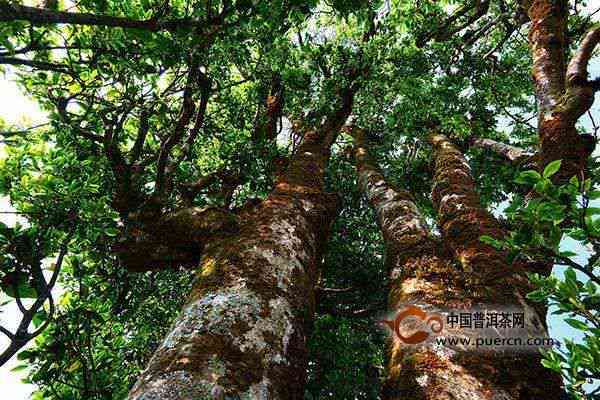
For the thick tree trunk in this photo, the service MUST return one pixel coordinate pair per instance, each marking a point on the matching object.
(563, 94)
(242, 332)
(416, 262)
(462, 220)
(423, 274)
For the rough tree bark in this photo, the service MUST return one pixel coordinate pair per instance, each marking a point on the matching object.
(458, 271)
(563, 92)
(512, 154)
(269, 112)
(242, 331)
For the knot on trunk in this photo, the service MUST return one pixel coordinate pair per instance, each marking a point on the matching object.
(174, 239)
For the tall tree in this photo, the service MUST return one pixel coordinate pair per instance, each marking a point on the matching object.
(190, 157)
(243, 331)
(563, 91)
(455, 270)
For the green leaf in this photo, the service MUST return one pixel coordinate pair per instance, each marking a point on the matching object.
(570, 275)
(594, 195)
(112, 232)
(26, 355)
(528, 177)
(555, 366)
(74, 367)
(592, 211)
(20, 367)
(536, 296)
(24, 289)
(574, 181)
(552, 168)
(568, 253)
(39, 318)
(491, 241)
(577, 324)
(590, 287)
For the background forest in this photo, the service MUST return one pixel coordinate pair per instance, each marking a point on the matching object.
(169, 121)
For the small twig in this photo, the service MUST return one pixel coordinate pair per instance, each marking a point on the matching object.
(20, 132)
(594, 126)
(7, 332)
(21, 337)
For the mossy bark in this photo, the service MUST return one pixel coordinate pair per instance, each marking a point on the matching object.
(455, 272)
(562, 98)
(242, 332)
(489, 279)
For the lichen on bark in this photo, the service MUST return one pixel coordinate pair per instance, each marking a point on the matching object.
(454, 271)
(243, 330)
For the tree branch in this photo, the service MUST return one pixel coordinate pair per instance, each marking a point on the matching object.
(577, 71)
(143, 128)
(187, 110)
(39, 16)
(547, 43)
(446, 31)
(176, 239)
(41, 65)
(205, 93)
(191, 190)
(21, 337)
(579, 94)
(266, 125)
(513, 154)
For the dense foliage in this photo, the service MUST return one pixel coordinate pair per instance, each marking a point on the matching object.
(550, 226)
